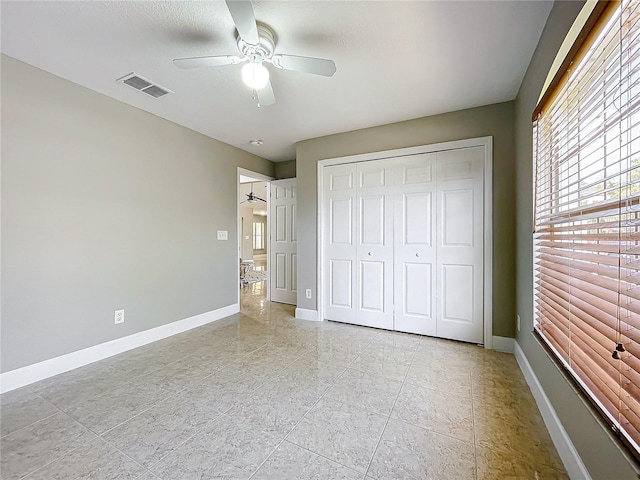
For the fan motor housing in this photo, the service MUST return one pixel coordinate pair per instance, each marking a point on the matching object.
(266, 45)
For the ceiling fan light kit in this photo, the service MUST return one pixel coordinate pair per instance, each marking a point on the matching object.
(254, 74)
(257, 42)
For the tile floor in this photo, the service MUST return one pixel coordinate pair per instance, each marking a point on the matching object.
(261, 395)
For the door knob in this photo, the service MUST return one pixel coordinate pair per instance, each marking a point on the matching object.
(417, 254)
(370, 253)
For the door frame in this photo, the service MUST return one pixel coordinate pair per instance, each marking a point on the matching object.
(487, 144)
(264, 178)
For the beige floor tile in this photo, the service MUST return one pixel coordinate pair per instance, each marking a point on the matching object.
(290, 461)
(398, 340)
(33, 447)
(224, 388)
(228, 448)
(383, 366)
(275, 409)
(435, 375)
(341, 432)
(379, 352)
(524, 436)
(177, 375)
(148, 437)
(102, 407)
(465, 351)
(408, 452)
(95, 460)
(494, 465)
(367, 390)
(431, 409)
(312, 379)
(148, 476)
(21, 408)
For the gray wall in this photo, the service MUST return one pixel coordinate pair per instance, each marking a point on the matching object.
(599, 452)
(106, 207)
(495, 120)
(246, 250)
(285, 170)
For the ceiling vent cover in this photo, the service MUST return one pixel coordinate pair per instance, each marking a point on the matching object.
(143, 85)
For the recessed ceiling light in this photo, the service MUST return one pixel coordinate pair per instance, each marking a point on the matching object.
(256, 143)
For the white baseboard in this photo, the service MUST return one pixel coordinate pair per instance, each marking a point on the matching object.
(503, 344)
(48, 368)
(304, 314)
(568, 453)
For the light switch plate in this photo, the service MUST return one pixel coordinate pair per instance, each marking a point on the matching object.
(223, 235)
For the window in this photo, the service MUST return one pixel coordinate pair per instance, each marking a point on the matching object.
(587, 218)
(258, 235)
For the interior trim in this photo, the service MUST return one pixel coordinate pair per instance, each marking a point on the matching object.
(585, 27)
(48, 368)
(567, 451)
(504, 344)
(305, 314)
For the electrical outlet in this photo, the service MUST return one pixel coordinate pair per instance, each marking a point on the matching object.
(119, 317)
(518, 322)
(308, 293)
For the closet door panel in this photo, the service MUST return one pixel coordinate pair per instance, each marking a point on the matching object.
(414, 244)
(460, 244)
(375, 244)
(339, 237)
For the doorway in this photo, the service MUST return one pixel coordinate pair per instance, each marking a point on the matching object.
(253, 235)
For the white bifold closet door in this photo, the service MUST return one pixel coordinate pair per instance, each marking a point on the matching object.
(403, 242)
(339, 212)
(415, 244)
(358, 239)
(460, 235)
(374, 252)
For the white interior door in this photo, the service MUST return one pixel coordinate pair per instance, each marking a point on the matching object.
(283, 249)
(339, 238)
(374, 251)
(460, 201)
(415, 244)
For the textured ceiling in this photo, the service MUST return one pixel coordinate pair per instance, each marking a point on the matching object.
(395, 60)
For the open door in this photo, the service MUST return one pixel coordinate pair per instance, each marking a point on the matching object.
(283, 261)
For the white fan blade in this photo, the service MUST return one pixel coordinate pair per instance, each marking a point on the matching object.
(317, 66)
(200, 62)
(266, 96)
(242, 13)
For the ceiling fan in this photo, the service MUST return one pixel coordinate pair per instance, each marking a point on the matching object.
(252, 198)
(257, 41)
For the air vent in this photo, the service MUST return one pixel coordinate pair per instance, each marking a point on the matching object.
(143, 85)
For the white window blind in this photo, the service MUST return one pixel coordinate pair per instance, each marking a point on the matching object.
(587, 220)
